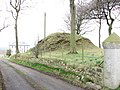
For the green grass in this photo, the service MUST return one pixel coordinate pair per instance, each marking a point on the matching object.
(91, 58)
(61, 73)
(69, 67)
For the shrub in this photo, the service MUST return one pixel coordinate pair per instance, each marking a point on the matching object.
(8, 53)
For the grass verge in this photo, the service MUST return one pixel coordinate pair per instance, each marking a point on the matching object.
(74, 78)
(69, 76)
(1, 82)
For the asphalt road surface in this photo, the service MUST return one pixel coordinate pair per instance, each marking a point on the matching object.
(17, 77)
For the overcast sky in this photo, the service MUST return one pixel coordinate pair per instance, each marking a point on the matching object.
(31, 22)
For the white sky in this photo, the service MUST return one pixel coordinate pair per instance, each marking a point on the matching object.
(31, 23)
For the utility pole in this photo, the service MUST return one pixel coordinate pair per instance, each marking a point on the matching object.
(44, 25)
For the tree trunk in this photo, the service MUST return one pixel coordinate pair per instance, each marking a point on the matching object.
(100, 33)
(109, 24)
(110, 27)
(16, 34)
(72, 37)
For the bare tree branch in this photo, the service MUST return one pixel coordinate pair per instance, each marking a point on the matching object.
(12, 4)
(4, 25)
(12, 14)
(86, 32)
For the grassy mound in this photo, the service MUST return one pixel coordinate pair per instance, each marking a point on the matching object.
(57, 40)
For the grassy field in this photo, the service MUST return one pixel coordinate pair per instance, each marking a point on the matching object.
(69, 67)
(73, 68)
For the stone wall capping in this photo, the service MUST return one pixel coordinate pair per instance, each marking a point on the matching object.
(112, 42)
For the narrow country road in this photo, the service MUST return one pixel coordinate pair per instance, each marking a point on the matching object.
(17, 77)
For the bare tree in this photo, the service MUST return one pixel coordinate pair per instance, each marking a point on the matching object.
(108, 9)
(100, 16)
(97, 14)
(81, 19)
(36, 50)
(15, 11)
(104, 10)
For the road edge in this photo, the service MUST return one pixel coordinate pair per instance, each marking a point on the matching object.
(2, 85)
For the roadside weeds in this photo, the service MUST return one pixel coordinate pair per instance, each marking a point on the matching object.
(2, 87)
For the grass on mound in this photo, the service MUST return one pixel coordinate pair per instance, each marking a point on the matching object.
(59, 40)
